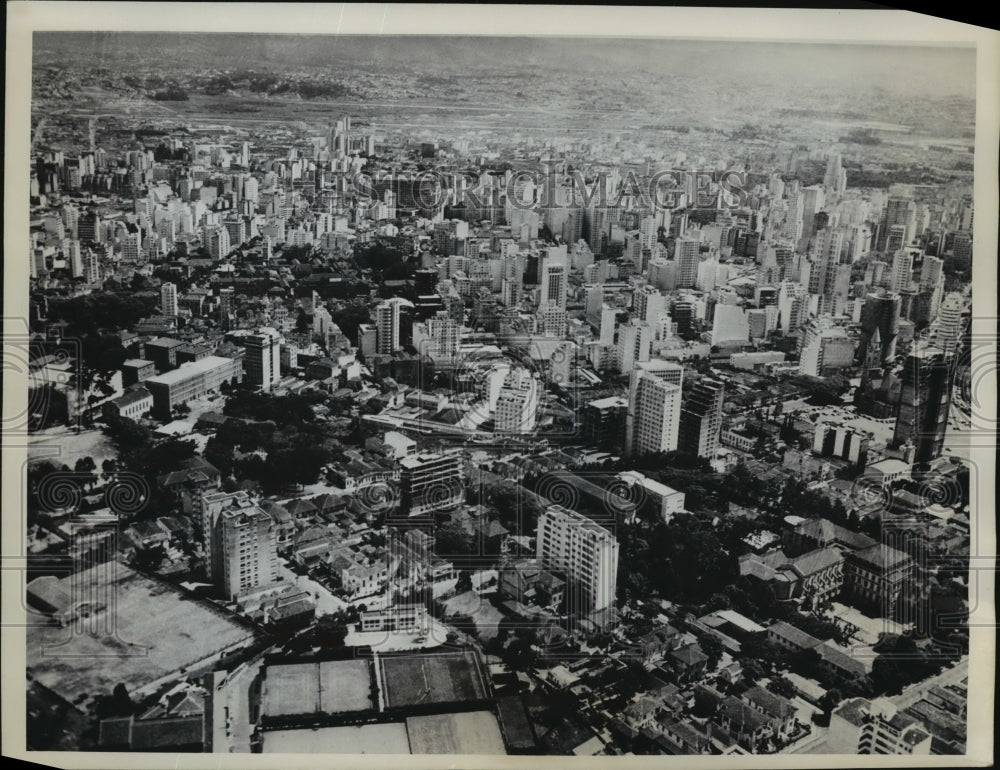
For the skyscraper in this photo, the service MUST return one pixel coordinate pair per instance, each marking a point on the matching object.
(262, 362)
(898, 211)
(430, 482)
(701, 419)
(902, 270)
(948, 329)
(633, 345)
(584, 551)
(881, 312)
(654, 408)
(246, 540)
(517, 402)
(686, 255)
(240, 541)
(168, 299)
(552, 280)
(387, 325)
(922, 415)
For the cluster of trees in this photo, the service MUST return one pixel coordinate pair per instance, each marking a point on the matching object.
(292, 454)
(901, 661)
(329, 632)
(385, 262)
(861, 136)
(823, 391)
(101, 310)
(269, 83)
(292, 409)
(682, 561)
(118, 704)
(171, 94)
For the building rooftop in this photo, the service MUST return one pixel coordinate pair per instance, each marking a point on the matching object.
(793, 635)
(881, 556)
(189, 369)
(890, 465)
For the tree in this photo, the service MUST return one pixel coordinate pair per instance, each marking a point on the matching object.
(452, 541)
(781, 685)
(149, 559)
(464, 582)
(712, 647)
(830, 701)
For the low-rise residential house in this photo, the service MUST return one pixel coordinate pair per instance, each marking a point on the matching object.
(291, 610)
(363, 578)
(659, 642)
(749, 727)
(688, 662)
(731, 673)
(773, 706)
(525, 581)
(681, 738)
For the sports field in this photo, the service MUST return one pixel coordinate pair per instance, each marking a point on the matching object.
(148, 631)
(471, 732)
(360, 739)
(436, 678)
(331, 687)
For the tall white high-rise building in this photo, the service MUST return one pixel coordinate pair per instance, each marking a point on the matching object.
(948, 328)
(649, 304)
(902, 271)
(654, 408)
(387, 317)
(131, 247)
(729, 325)
(240, 541)
(517, 402)
(439, 336)
(584, 551)
(262, 362)
(217, 238)
(635, 340)
(608, 323)
(168, 299)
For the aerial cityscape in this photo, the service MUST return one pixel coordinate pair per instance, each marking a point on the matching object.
(498, 396)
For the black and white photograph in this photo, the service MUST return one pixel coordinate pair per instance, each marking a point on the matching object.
(379, 385)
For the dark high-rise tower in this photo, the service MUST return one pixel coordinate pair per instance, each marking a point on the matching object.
(881, 312)
(701, 419)
(922, 415)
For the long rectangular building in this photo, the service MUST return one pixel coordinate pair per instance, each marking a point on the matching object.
(192, 380)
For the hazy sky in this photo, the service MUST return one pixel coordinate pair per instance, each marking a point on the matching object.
(916, 70)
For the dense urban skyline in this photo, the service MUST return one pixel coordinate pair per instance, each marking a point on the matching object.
(395, 416)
